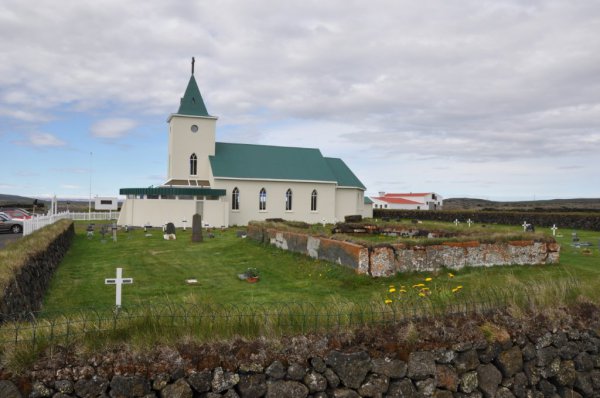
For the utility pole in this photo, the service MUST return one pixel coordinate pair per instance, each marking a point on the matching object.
(90, 200)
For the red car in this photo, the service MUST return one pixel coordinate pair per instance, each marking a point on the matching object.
(17, 214)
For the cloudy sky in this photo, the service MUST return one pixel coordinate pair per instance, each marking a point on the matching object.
(484, 98)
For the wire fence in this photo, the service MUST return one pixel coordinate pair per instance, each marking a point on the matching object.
(210, 321)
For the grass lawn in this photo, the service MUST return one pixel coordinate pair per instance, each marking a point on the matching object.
(159, 269)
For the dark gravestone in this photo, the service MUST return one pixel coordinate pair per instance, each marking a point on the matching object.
(197, 228)
(530, 228)
(170, 228)
(169, 232)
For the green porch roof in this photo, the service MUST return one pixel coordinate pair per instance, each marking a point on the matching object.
(192, 103)
(172, 191)
(343, 175)
(368, 201)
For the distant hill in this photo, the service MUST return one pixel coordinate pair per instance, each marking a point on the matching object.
(582, 204)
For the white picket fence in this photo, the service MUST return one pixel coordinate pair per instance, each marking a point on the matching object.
(37, 222)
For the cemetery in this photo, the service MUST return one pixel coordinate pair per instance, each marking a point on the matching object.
(144, 288)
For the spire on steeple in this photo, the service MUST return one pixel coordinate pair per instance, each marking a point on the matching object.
(192, 103)
(193, 62)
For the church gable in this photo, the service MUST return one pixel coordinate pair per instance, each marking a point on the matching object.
(343, 175)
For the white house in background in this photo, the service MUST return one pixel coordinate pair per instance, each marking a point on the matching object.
(232, 184)
(408, 201)
(104, 203)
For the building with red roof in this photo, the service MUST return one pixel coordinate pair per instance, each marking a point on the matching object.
(408, 201)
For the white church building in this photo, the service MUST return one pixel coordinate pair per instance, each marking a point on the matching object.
(232, 184)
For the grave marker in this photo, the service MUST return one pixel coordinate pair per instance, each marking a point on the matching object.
(456, 222)
(554, 228)
(469, 221)
(114, 232)
(197, 228)
(118, 281)
(524, 226)
(184, 222)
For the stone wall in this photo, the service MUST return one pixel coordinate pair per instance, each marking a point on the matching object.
(387, 260)
(587, 221)
(559, 363)
(25, 289)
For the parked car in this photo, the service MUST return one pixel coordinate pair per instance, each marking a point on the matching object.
(9, 225)
(17, 214)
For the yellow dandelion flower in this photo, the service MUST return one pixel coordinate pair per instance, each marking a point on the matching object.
(450, 275)
(422, 294)
(402, 291)
(424, 289)
(419, 285)
(391, 286)
(388, 301)
(428, 279)
(459, 287)
(392, 289)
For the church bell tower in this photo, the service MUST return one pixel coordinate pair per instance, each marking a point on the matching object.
(191, 139)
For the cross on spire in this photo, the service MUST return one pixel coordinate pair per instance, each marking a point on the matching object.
(193, 61)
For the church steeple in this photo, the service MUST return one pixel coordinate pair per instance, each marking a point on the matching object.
(192, 103)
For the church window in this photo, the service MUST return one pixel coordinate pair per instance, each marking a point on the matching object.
(313, 200)
(288, 200)
(193, 164)
(235, 199)
(194, 128)
(262, 199)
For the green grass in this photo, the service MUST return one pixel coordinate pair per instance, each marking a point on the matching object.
(159, 269)
(299, 294)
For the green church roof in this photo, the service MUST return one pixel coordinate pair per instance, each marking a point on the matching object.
(343, 175)
(279, 163)
(192, 103)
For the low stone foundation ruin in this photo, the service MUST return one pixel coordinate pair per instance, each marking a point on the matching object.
(387, 260)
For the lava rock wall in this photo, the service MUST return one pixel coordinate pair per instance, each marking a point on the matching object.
(559, 363)
(29, 282)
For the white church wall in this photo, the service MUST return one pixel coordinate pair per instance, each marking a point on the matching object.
(183, 142)
(301, 200)
(157, 212)
(348, 201)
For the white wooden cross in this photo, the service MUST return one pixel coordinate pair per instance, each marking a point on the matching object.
(469, 222)
(118, 281)
(524, 226)
(554, 228)
(456, 222)
(184, 224)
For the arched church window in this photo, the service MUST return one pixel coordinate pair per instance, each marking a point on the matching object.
(288, 200)
(313, 200)
(235, 199)
(262, 199)
(193, 164)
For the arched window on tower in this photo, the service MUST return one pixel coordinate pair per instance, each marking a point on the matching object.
(313, 200)
(288, 200)
(235, 199)
(262, 199)
(193, 164)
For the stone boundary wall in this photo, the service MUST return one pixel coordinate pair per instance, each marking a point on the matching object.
(387, 260)
(589, 221)
(559, 363)
(26, 289)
